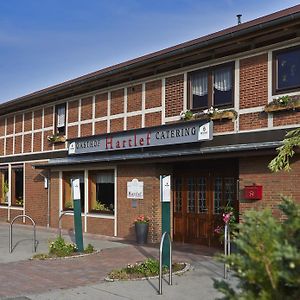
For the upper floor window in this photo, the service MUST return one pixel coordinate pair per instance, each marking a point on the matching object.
(212, 87)
(60, 118)
(287, 69)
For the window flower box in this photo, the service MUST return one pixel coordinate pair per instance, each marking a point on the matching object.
(55, 138)
(283, 103)
(210, 114)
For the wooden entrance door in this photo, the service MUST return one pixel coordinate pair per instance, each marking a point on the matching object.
(199, 199)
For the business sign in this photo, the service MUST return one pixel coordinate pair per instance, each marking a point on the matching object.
(135, 189)
(180, 133)
(76, 189)
(165, 188)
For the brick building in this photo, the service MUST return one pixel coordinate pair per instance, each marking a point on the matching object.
(126, 122)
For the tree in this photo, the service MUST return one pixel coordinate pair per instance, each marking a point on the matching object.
(286, 151)
(267, 264)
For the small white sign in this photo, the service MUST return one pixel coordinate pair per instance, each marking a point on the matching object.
(72, 148)
(135, 189)
(165, 186)
(76, 189)
(205, 131)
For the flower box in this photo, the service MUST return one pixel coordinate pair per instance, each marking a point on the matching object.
(283, 103)
(212, 114)
(56, 138)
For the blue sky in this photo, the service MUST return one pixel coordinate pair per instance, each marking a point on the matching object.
(44, 42)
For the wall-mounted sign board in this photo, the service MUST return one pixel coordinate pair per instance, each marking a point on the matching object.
(135, 189)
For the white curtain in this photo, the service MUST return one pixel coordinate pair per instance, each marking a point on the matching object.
(199, 84)
(105, 178)
(222, 79)
(61, 111)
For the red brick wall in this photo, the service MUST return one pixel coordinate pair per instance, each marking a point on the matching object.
(36, 196)
(10, 125)
(48, 117)
(37, 123)
(28, 121)
(86, 129)
(116, 125)
(117, 102)
(254, 81)
(255, 170)
(286, 118)
(134, 98)
(149, 206)
(174, 95)
(101, 127)
(1, 146)
(101, 105)
(223, 126)
(134, 122)
(153, 94)
(27, 143)
(253, 121)
(153, 119)
(2, 126)
(87, 108)
(47, 144)
(18, 123)
(3, 214)
(100, 226)
(73, 111)
(54, 202)
(72, 132)
(18, 144)
(9, 146)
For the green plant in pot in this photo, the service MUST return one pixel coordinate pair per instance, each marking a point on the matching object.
(5, 191)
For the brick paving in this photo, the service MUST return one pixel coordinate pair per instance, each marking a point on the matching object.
(39, 276)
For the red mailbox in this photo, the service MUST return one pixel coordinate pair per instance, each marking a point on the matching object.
(253, 192)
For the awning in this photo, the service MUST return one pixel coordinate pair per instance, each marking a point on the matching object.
(221, 144)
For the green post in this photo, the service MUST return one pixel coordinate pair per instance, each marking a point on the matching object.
(77, 215)
(165, 190)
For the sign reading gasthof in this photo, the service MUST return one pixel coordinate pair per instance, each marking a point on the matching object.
(180, 133)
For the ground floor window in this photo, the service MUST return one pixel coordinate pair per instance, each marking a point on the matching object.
(17, 180)
(4, 187)
(68, 178)
(101, 191)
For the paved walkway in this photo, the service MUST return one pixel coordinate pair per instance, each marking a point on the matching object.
(83, 278)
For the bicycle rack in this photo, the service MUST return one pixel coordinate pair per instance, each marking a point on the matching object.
(10, 232)
(160, 261)
(226, 248)
(63, 213)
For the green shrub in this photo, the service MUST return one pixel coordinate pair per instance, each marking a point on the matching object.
(267, 264)
(60, 248)
(89, 249)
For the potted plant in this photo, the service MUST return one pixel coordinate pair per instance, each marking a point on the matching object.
(141, 225)
(5, 191)
(283, 103)
(56, 138)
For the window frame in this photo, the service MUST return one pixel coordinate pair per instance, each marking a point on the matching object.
(210, 71)
(3, 181)
(90, 209)
(275, 90)
(63, 132)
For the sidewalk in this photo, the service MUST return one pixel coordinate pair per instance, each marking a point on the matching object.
(83, 278)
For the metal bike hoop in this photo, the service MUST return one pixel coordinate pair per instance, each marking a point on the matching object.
(11, 231)
(62, 213)
(160, 260)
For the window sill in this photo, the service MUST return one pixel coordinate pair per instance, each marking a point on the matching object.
(101, 216)
(103, 212)
(274, 106)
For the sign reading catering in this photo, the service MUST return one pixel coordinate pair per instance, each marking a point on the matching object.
(180, 133)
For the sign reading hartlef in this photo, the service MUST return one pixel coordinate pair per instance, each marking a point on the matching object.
(180, 133)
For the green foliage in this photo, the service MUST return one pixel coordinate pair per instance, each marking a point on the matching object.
(89, 249)
(267, 264)
(148, 268)
(60, 248)
(286, 151)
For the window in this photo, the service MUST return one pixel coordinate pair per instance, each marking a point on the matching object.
(68, 178)
(17, 179)
(212, 87)
(60, 119)
(286, 68)
(102, 191)
(4, 188)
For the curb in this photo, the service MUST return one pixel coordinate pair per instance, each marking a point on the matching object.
(185, 269)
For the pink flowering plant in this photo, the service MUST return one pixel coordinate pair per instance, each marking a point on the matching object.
(142, 219)
(229, 218)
